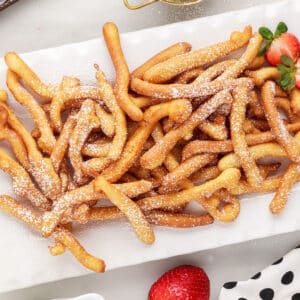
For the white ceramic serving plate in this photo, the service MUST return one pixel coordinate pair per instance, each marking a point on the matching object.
(24, 258)
(85, 297)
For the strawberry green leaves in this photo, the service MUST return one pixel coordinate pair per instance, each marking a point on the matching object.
(288, 71)
(281, 28)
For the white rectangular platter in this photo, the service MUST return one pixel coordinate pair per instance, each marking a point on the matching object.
(24, 258)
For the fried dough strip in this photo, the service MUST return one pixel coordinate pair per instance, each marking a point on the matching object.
(18, 66)
(268, 185)
(130, 209)
(215, 131)
(95, 165)
(285, 105)
(112, 39)
(171, 162)
(3, 95)
(107, 122)
(255, 105)
(98, 148)
(41, 168)
(197, 89)
(156, 217)
(46, 140)
(87, 120)
(178, 220)
(176, 110)
(258, 151)
(13, 139)
(189, 91)
(22, 184)
(229, 211)
(157, 154)
(87, 193)
(256, 63)
(282, 135)
(185, 169)
(62, 143)
(214, 71)
(61, 234)
(172, 51)
(262, 75)
(224, 180)
(188, 76)
(295, 101)
(168, 69)
(205, 174)
(280, 199)
(201, 146)
(246, 59)
(68, 97)
(240, 146)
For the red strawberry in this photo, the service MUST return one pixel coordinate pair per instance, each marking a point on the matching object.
(290, 73)
(278, 44)
(181, 283)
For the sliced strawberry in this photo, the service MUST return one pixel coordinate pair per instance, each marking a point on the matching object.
(286, 44)
(278, 44)
(181, 283)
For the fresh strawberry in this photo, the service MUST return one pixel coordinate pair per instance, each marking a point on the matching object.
(181, 283)
(290, 73)
(278, 44)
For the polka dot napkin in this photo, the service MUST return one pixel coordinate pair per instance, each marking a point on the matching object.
(280, 281)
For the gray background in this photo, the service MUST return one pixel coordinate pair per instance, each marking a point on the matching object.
(35, 24)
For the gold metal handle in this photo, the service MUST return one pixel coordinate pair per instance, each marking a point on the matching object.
(143, 4)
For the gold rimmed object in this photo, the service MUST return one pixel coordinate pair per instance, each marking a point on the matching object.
(171, 2)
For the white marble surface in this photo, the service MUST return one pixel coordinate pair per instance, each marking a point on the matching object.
(35, 24)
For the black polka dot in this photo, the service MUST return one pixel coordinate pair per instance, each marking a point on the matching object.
(256, 276)
(230, 285)
(278, 261)
(287, 278)
(296, 296)
(297, 247)
(242, 299)
(266, 294)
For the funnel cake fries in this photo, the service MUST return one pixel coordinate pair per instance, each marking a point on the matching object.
(167, 70)
(172, 51)
(46, 140)
(87, 193)
(3, 95)
(61, 234)
(291, 146)
(18, 66)
(13, 139)
(240, 147)
(94, 166)
(87, 120)
(41, 167)
(130, 209)
(156, 155)
(62, 143)
(196, 89)
(176, 110)
(22, 184)
(112, 39)
(185, 126)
